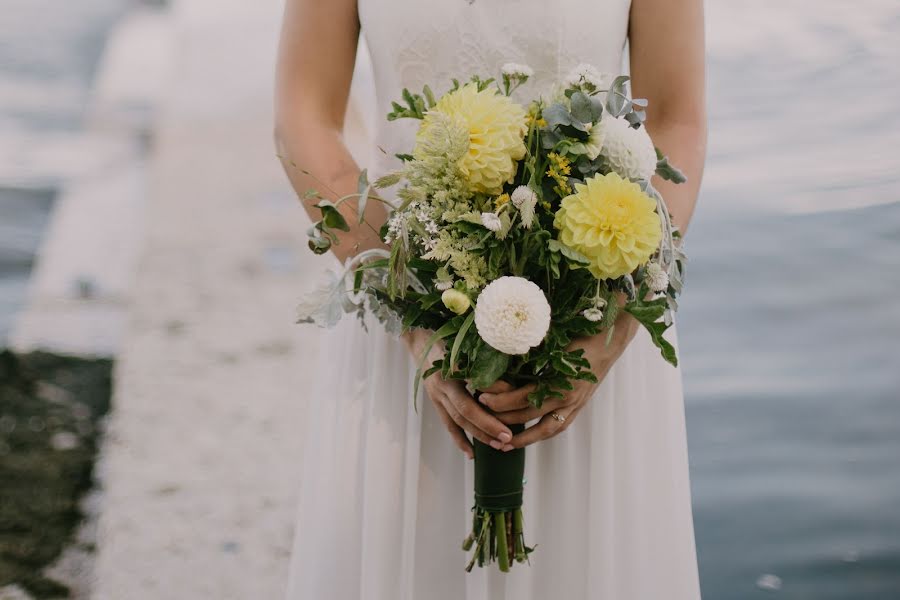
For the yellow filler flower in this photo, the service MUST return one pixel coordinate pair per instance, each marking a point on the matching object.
(496, 127)
(612, 222)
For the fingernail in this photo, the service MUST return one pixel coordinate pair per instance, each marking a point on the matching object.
(496, 445)
(504, 437)
(507, 447)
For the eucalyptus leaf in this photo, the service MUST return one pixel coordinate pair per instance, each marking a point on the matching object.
(617, 101)
(581, 107)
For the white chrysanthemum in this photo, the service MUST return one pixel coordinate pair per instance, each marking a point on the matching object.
(592, 314)
(524, 199)
(491, 221)
(512, 315)
(657, 278)
(516, 71)
(585, 76)
(522, 194)
(630, 151)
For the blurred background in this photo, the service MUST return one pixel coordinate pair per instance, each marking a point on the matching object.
(151, 251)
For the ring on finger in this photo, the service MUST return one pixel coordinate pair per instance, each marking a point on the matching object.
(558, 417)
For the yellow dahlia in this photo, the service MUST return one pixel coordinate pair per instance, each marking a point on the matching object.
(496, 127)
(612, 222)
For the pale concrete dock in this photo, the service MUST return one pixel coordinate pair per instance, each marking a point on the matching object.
(179, 249)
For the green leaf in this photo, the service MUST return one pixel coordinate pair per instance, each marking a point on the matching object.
(617, 101)
(429, 96)
(581, 107)
(460, 336)
(448, 329)
(488, 367)
(667, 171)
(573, 255)
(557, 116)
(332, 217)
(364, 188)
(648, 315)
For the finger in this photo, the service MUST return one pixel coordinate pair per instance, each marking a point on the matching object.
(475, 414)
(456, 432)
(512, 400)
(522, 416)
(468, 427)
(498, 387)
(544, 429)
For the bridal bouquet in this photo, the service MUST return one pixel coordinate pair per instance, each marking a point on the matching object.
(516, 229)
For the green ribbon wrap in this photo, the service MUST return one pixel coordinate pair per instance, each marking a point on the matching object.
(497, 524)
(499, 476)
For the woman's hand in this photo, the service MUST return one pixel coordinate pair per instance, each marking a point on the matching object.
(511, 406)
(458, 410)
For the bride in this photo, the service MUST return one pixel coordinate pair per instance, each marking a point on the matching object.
(386, 490)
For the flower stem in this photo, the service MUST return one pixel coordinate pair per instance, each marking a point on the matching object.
(502, 548)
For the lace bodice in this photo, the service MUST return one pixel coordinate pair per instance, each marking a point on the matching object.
(414, 42)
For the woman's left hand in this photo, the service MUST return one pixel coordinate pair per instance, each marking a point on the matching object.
(511, 406)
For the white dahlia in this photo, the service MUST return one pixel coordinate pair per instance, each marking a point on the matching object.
(512, 315)
(630, 151)
(657, 278)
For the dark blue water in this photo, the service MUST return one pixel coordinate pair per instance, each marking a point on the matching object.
(790, 328)
(790, 334)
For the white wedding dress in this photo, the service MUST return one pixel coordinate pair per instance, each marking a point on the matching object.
(385, 495)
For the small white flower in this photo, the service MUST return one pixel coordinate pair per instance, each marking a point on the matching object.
(516, 71)
(522, 194)
(630, 151)
(491, 221)
(512, 315)
(592, 314)
(524, 198)
(594, 143)
(585, 77)
(443, 286)
(657, 278)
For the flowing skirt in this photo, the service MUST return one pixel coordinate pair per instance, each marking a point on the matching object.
(386, 497)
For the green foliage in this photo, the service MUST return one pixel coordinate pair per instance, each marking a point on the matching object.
(414, 105)
(668, 171)
(648, 313)
(487, 366)
(438, 239)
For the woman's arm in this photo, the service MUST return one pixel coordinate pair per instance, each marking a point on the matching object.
(315, 66)
(668, 69)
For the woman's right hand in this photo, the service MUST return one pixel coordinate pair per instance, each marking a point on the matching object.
(456, 407)
(462, 415)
